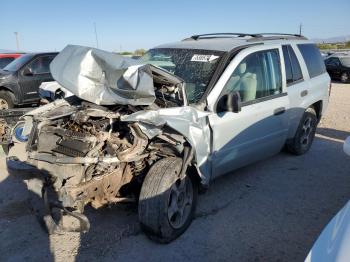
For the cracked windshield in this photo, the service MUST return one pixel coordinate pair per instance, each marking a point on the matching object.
(196, 67)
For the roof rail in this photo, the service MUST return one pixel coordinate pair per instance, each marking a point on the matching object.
(254, 37)
(196, 37)
(276, 36)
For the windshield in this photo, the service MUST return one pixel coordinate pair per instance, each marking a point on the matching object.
(18, 63)
(345, 61)
(195, 67)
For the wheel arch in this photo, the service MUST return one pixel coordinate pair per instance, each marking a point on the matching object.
(10, 91)
(318, 107)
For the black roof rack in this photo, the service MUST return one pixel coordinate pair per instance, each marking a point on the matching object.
(276, 36)
(214, 35)
(254, 37)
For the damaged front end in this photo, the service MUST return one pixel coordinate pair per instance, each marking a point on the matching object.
(92, 156)
(91, 152)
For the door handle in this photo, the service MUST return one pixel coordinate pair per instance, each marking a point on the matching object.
(304, 93)
(279, 111)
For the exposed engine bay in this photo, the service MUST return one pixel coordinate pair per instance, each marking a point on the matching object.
(97, 146)
(92, 157)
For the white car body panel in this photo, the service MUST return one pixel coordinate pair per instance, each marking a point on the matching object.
(333, 245)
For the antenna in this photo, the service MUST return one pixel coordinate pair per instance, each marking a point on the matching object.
(300, 27)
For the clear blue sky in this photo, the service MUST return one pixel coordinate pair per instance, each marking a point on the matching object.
(51, 25)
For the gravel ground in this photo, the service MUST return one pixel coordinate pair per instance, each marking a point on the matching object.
(269, 211)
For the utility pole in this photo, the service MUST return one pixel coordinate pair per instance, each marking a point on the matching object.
(17, 41)
(300, 27)
(96, 35)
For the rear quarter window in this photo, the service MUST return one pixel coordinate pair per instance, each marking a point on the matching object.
(313, 59)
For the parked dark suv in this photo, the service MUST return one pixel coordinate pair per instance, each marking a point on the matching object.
(338, 67)
(20, 79)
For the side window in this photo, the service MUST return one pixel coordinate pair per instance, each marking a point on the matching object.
(41, 65)
(336, 62)
(293, 70)
(287, 65)
(257, 76)
(5, 61)
(328, 61)
(313, 59)
(332, 61)
(297, 75)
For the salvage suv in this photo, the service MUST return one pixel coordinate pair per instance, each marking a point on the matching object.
(159, 130)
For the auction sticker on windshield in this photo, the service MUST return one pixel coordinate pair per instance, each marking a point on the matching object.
(203, 58)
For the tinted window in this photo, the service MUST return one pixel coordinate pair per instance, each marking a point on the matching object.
(332, 61)
(5, 61)
(297, 75)
(313, 59)
(258, 75)
(18, 63)
(41, 65)
(287, 64)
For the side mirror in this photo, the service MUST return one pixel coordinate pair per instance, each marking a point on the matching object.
(229, 103)
(27, 71)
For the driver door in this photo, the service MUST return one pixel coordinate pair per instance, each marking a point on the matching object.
(260, 129)
(40, 72)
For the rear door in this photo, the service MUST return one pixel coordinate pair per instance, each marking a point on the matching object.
(260, 128)
(40, 67)
(298, 89)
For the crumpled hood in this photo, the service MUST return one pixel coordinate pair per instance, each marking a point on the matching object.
(104, 78)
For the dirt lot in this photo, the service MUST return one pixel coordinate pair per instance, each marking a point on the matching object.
(270, 211)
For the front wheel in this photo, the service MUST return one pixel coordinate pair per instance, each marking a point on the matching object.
(344, 78)
(6, 100)
(167, 202)
(305, 133)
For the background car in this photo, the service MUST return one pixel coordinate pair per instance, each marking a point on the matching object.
(338, 67)
(6, 58)
(20, 79)
(333, 244)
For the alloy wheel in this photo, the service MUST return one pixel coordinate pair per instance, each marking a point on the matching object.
(344, 77)
(3, 104)
(180, 202)
(307, 129)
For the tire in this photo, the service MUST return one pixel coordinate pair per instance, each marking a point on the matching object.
(163, 198)
(345, 78)
(305, 133)
(6, 100)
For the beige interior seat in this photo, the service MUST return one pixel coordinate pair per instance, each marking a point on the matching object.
(248, 87)
(244, 81)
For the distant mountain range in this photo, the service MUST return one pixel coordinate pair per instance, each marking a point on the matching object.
(336, 39)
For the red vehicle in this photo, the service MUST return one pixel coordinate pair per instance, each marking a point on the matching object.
(6, 58)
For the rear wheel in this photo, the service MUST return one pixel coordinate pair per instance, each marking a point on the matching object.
(305, 133)
(6, 100)
(344, 78)
(167, 203)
